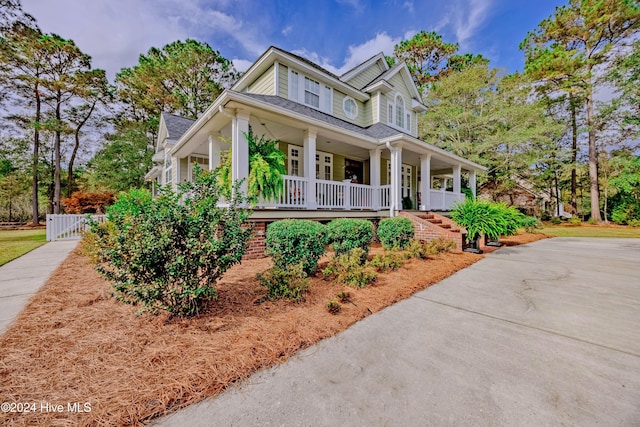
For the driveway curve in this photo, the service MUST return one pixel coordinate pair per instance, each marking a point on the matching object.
(542, 334)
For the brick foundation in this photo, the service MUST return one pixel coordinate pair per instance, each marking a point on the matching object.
(433, 226)
(257, 242)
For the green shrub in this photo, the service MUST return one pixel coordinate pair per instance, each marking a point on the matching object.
(476, 216)
(345, 234)
(575, 220)
(439, 246)
(634, 222)
(349, 270)
(395, 232)
(290, 282)
(509, 217)
(555, 220)
(530, 223)
(388, 261)
(592, 221)
(295, 241)
(169, 252)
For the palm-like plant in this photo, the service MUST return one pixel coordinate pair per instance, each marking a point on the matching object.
(478, 217)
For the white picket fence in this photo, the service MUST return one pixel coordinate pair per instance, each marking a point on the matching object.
(69, 226)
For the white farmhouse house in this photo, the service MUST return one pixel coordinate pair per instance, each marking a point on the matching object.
(351, 140)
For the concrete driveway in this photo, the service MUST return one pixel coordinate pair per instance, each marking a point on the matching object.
(546, 334)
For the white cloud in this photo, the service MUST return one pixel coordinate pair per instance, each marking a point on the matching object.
(469, 18)
(241, 64)
(353, 3)
(115, 35)
(286, 30)
(382, 42)
(408, 5)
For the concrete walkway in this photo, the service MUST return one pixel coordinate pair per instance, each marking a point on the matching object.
(22, 277)
(545, 334)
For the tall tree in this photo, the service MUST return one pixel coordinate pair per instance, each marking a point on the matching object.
(64, 71)
(575, 40)
(625, 75)
(182, 77)
(425, 54)
(11, 13)
(24, 68)
(94, 91)
(478, 115)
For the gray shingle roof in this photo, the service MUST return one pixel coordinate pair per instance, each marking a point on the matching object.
(377, 130)
(176, 125)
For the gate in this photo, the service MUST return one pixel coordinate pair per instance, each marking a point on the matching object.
(68, 226)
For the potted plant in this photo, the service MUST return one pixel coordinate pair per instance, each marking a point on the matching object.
(479, 218)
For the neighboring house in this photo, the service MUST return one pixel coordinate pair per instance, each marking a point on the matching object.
(351, 140)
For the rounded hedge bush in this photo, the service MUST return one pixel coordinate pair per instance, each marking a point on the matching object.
(295, 241)
(395, 232)
(345, 234)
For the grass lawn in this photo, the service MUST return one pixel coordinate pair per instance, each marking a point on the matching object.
(588, 230)
(15, 243)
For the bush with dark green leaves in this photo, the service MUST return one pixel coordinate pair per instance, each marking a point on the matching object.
(345, 234)
(395, 233)
(168, 253)
(295, 241)
(531, 223)
(290, 282)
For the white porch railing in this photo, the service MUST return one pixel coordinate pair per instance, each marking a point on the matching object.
(348, 196)
(69, 226)
(441, 199)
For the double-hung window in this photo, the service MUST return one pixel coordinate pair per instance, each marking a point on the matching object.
(310, 92)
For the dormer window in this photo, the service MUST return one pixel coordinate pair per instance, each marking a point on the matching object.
(310, 92)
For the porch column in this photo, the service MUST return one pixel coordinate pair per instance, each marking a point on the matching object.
(240, 148)
(472, 182)
(396, 178)
(214, 154)
(310, 167)
(457, 171)
(374, 177)
(425, 181)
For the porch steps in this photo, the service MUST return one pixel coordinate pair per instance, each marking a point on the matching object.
(431, 226)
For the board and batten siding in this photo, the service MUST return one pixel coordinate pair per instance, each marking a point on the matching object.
(263, 85)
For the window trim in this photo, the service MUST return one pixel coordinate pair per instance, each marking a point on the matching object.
(297, 90)
(353, 115)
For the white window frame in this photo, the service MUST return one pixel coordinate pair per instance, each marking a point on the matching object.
(202, 161)
(405, 177)
(297, 89)
(351, 115)
(168, 169)
(291, 158)
(322, 164)
(394, 115)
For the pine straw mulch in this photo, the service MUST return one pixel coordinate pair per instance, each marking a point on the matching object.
(73, 343)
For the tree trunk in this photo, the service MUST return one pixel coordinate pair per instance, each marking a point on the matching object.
(574, 155)
(56, 153)
(75, 150)
(593, 157)
(35, 209)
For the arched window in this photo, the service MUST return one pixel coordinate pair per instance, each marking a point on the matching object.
(399, 111)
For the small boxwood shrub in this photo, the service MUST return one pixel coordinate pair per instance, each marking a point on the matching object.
(295, 241)
(345, 234)
(349, 270)
(555, 220)
(290, 282)
(388, 261)
(395, 232)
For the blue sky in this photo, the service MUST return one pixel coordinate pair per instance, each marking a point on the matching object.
(337, 34)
